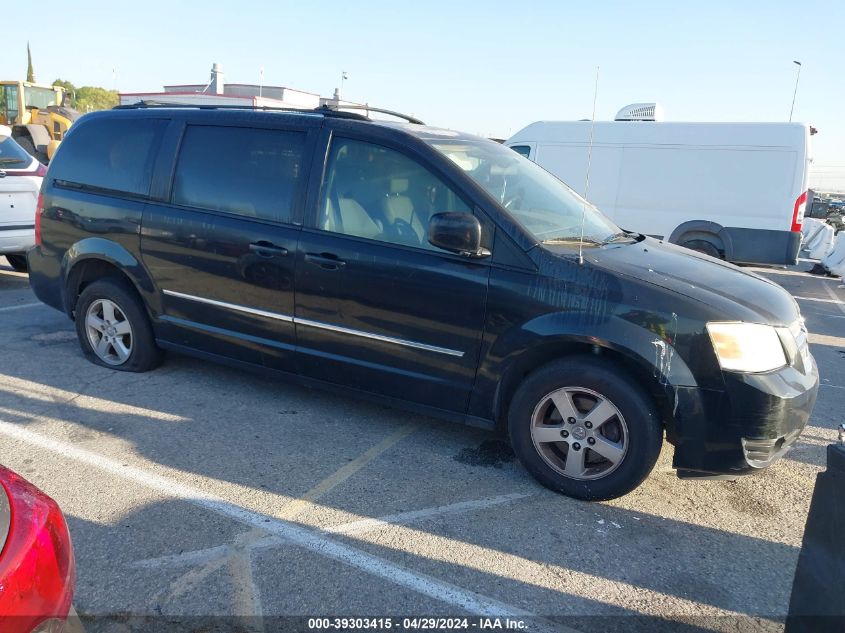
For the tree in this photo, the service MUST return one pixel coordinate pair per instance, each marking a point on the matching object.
(88, 98)
(30, 73)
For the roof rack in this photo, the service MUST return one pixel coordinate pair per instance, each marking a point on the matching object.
(326, 110)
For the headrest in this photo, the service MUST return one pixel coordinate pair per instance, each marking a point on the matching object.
(398, 185)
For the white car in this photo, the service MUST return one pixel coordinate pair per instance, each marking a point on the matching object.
(20, 182)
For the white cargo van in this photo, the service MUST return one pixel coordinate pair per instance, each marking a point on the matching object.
(731, 190)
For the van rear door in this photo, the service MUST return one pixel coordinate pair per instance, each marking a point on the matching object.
(222, 248)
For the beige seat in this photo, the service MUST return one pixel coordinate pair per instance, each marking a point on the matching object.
(351, 220)
(398, 206)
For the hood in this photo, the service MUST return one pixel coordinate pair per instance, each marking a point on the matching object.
(733, 294)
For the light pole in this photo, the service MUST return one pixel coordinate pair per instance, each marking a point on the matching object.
(797, 77)
(343, 77)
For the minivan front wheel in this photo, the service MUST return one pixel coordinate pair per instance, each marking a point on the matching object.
(582, 427)
(113, 328)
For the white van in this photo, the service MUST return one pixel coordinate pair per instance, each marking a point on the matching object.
(731, 190)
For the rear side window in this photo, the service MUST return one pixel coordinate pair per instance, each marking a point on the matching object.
(12, 155)
(244, 171)
(113, 154)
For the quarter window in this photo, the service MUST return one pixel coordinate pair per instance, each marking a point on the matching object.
(244, 171)
(374, 192)
(522, 150)
(116, 154)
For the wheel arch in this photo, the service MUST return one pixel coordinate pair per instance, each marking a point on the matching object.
(97, 258)
(707, 230)
(651, 363)
(38, 135)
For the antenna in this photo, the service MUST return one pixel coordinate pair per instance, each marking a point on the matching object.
(589, 164)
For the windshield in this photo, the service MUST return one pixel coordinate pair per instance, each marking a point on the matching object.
(39, 97)
(12, 155)
(542, 204)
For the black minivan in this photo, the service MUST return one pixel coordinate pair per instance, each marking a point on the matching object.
(421, 266)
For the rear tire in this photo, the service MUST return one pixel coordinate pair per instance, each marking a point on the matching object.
(113, 327)
(703, 246)
(17, 261)
(584, 428)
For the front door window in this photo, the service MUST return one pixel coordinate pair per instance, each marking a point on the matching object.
(374, 192)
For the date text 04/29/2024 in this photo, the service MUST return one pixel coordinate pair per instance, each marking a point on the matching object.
(417, 623)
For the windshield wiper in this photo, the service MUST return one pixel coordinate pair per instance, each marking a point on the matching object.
(618, 237)
(572, 238)
(9, 161)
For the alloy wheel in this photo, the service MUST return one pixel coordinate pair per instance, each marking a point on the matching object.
(109, 332)
(579, 433)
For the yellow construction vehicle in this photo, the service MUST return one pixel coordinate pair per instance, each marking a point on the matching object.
(37, 114)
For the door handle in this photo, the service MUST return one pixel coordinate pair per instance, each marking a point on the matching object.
(267, 249)
(326, 261)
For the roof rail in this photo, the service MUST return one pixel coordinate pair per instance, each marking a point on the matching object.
(325, 110)
(366, 108)
(139, 105)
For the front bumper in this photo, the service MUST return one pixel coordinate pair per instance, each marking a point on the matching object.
(747, 426)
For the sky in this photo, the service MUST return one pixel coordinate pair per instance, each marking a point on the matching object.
(484, 67)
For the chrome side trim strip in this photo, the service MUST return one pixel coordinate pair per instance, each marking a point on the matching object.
(231, 306)
(379, 337)
(318, 324)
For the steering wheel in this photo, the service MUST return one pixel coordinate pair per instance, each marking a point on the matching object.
(404, 232)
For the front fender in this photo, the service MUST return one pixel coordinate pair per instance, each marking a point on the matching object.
(109, 252)
(651, 347)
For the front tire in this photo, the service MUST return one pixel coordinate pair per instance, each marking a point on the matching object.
(113, 328)
(584, 428)
(17, 261)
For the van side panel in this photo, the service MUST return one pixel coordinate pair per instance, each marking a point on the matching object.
(661, 187)
(569, 163)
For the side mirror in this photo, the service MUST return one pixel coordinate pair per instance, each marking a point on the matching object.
(457, 233)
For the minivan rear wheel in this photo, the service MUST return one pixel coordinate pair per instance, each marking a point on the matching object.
(584, 428)
(113, 328)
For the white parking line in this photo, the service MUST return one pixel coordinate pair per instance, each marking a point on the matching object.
(367, 525)
(306, 538)
(834, 300)
(826, 339)
(361, 526)
(20, 306)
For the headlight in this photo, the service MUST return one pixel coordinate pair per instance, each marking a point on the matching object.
(747, 347)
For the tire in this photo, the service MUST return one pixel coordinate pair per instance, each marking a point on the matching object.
(703, 246)
(28, 146)
(631, 431)
(113, 327)
(17, 261)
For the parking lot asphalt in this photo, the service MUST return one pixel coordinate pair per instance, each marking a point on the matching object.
(199, 490)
